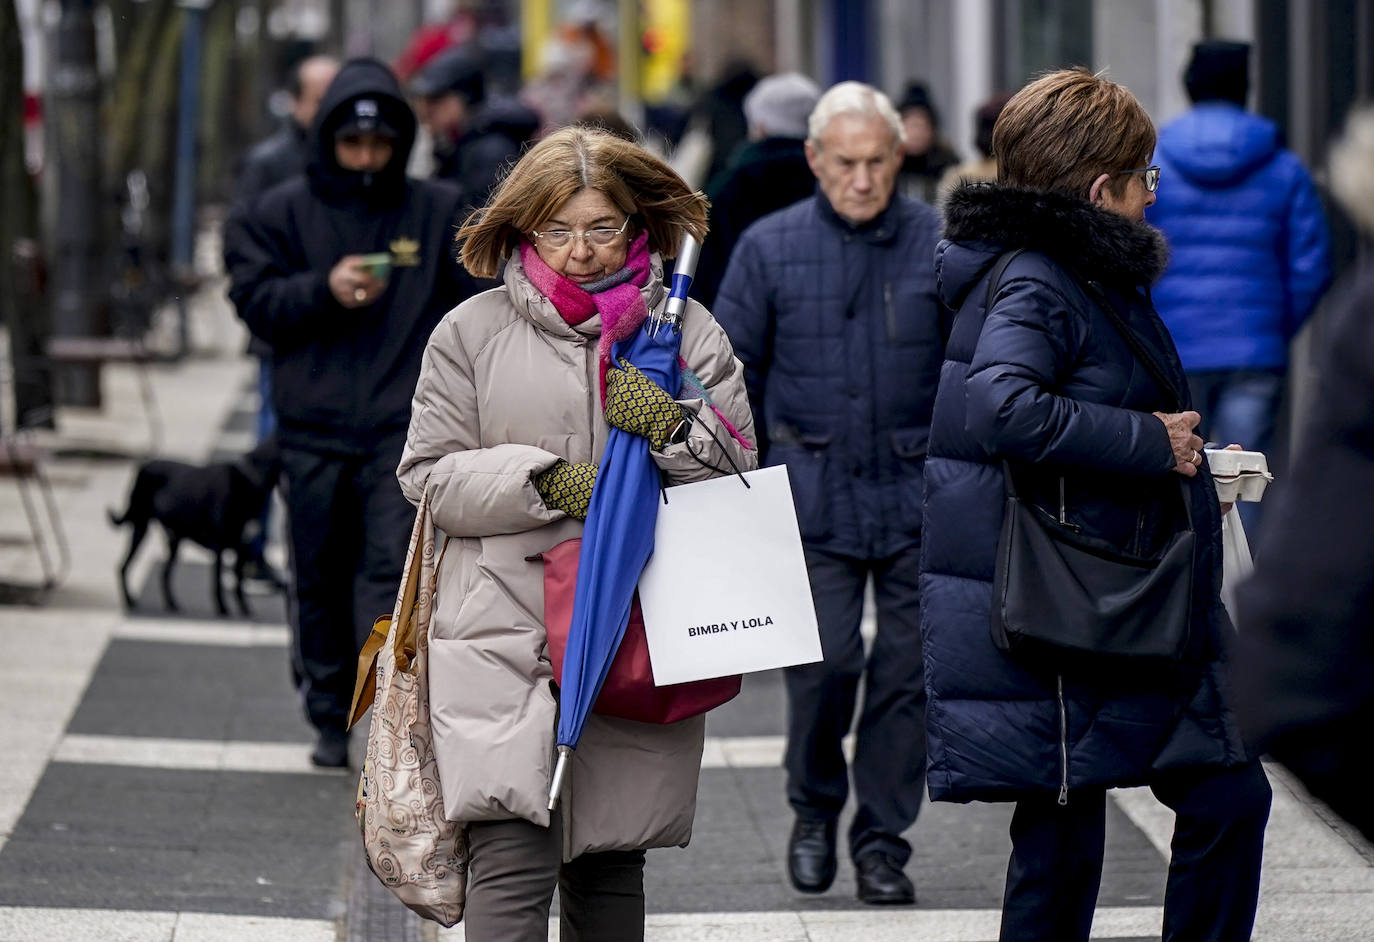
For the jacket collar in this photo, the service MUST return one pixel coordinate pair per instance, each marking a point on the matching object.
(879, 230)
(1097, 243)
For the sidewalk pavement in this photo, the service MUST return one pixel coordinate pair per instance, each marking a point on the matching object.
(157, 785)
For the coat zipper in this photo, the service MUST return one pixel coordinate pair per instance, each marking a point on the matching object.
(1063, 744)
(891, 311)
(1064, 510)
(594, 382)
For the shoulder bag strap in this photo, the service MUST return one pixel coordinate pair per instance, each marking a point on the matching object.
(1151, 365)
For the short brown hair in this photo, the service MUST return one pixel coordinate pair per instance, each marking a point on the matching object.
(1066, 128)
(564, 163)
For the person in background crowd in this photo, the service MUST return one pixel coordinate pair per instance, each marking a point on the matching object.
(984, 168)
(768, 173)
(1095, 426)
(346, 332)
(842, 335)
(506, 436)
(926, 156)
(716, 126)
(286, 153)
(279, 157)
(1306, 640)
(475, 136)
(1250, 252)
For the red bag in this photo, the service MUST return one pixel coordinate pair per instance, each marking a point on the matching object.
(629, 690)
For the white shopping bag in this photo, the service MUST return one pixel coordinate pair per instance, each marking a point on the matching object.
(726, 591)
(1236, 564)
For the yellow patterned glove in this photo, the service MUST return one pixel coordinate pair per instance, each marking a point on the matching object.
(638, 405)
(567, 486)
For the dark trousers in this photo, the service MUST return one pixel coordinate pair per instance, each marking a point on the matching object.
(513, 869)
(1214, 869)
(890, 746)
(349, 528)
(1240, 407)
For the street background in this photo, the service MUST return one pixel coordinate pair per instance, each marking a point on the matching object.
(156, 782)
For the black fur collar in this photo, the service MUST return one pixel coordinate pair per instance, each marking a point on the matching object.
(1096, 242)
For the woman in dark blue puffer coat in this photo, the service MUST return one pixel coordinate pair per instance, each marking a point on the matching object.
(1043, 379)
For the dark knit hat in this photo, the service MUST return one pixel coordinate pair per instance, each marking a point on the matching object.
(918, 96)
(1219, 70)
(367, 116)
(456, 70)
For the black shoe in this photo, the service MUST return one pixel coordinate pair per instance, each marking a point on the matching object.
(811, 855)
(882, 882)
(331, 748)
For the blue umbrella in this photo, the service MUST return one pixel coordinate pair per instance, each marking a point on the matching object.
(618, 537)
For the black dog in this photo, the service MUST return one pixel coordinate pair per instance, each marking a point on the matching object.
(218, 505)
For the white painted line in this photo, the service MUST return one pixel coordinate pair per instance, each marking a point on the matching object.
(872, 925)
(204, 632)
(35, 924)
(751, 752)
(188, 754)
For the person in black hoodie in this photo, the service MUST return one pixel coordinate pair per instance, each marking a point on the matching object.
(347, 326)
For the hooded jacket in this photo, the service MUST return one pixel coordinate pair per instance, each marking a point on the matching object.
(507, 389)
(342, 377)
(1250, 250)
(1045, 381)
(841, 335)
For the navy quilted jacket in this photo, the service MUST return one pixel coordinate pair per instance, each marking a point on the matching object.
(841, 336)
(1251, 253)
(1046, 382)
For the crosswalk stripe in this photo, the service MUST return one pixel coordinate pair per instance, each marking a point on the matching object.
(188, 754)
(204, 632)
(36, 924)
(912, 925)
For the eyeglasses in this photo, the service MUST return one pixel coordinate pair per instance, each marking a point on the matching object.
(1150, 176)
(596, 238)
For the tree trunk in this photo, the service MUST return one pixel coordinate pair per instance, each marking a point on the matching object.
(22, 307)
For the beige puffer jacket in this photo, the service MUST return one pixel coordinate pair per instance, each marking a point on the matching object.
(507, 388)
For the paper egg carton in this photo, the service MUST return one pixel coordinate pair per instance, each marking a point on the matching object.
(1239, 475)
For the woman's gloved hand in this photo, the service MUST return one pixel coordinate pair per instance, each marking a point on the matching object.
(638, 405)
(567, 486)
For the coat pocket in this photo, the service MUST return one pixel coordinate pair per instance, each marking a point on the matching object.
(807, 457)
(909, 448)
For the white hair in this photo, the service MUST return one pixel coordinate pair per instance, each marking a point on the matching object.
(1352, 168)
(853, 98)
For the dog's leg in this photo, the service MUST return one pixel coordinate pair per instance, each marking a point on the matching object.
(240, 558)
(140, 531)
(219, 585)
(173, 542)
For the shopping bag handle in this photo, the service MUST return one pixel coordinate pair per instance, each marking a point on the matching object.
(734, 468)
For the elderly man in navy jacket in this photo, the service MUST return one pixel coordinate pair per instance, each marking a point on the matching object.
(831, 305)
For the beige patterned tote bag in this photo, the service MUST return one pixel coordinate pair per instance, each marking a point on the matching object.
(413, 849)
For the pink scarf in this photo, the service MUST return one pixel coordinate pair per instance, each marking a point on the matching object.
(621, 307)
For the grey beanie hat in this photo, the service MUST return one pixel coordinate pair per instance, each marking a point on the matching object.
(779, 105)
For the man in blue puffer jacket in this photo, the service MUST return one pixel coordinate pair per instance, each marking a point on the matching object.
(1251, 253)
(831, 305)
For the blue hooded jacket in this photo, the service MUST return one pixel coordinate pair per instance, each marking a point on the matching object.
(1249, 244)
(1044, 380)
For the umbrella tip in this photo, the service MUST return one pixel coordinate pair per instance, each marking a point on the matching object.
(559, 769)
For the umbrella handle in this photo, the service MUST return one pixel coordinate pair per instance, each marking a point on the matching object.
(684, 270)
(564, 754)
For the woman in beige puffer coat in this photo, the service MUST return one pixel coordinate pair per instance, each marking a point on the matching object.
(506, 428)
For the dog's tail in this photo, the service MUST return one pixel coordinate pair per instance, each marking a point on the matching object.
(140, 500)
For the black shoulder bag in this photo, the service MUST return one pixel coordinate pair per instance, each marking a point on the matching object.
(1059, 597)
